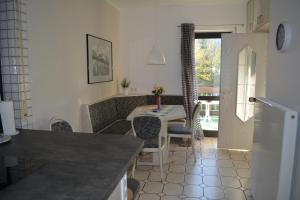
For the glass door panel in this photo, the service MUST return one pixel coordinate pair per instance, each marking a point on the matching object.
(208, 64)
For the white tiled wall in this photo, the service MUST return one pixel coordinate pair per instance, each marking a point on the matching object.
(14, 59)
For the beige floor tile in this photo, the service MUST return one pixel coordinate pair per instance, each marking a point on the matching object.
(149, 197)
(244, 173)
(191, 161)
(227, 171)
(209, 162)
(143, 168)
(178, 160)
(173, 189)
(170, 198)
(175, 178)
(241, 164)
(155, 176)
(211, 171)
(246, 183)
(234, 152)
(177, 168)
(142, 184)
(193, 169)
(157, 168)
(193, 179)
(234, 194)
(193, 191)
(223, 156)
(230, 182)
(213, 193)
(174, 147)
(153, 187)
(238, 157)
(224, 163)
(208, 155)
(180, 154)
(141, 175)
(248, 156)
(211, 181)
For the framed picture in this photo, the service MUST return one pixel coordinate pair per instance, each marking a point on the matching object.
(99, 60)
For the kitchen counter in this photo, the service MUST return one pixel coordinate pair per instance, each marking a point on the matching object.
(76, 166)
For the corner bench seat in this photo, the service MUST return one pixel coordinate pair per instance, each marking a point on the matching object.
(109, 116)
(118, 127)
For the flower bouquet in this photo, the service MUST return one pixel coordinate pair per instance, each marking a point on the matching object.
(158, 91)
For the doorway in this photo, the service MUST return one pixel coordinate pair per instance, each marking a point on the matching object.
(208, 67)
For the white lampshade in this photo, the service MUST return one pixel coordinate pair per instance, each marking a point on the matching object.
(156, 56)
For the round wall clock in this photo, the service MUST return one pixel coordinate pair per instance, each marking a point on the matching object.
(283, 37)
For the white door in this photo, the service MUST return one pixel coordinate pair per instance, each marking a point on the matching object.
(235, 133)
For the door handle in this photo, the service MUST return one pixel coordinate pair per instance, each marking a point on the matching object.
(252, 99)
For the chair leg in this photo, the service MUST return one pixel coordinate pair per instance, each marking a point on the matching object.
(161, 165)
(133, 168)
(168, 146)
(193, 148)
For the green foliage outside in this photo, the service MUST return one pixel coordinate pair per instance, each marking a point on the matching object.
(208, 62)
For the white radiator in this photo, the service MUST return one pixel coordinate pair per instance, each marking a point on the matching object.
(274, 143)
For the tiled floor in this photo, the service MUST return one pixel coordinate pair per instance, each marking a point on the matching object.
(217, 174)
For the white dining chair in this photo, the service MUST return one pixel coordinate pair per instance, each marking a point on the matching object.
(149, 129)
(179, 131)
(60, 125)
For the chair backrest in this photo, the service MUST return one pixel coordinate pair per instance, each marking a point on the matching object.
(60, 125)
(146, 126)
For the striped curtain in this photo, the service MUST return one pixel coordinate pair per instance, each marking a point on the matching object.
(188, 69)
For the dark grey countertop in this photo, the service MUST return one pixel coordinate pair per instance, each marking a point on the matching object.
(77, 166)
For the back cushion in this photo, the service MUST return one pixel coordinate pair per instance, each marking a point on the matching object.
(103, 114)
(125, 105)
(166, 100)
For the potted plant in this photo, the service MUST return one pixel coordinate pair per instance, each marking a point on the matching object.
(158, 91)
(125, 83)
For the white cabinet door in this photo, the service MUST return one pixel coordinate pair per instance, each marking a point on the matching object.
(250, 16)
(261, 15)
(233, 133)
(120, 192)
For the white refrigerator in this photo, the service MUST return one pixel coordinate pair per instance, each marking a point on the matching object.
(273, 153)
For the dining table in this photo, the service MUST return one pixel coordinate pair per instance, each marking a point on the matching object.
(167, 113)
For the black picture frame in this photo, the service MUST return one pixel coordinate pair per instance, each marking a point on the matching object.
(99, 59)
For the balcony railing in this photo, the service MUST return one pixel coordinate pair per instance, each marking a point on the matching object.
(209, 115)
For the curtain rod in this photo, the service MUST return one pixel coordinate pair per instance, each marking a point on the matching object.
(218, 25)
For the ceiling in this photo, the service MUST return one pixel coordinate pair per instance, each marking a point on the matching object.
(130, 3)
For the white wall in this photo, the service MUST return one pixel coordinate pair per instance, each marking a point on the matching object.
(57, 48)
(138, 35)
(283, 73)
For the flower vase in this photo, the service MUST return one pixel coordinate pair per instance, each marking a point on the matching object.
(158, 102)
(125, 91)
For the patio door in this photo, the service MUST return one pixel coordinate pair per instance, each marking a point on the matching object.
(208, 65)
(243, 66)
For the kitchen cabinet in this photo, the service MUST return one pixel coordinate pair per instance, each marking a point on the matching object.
(258, 15)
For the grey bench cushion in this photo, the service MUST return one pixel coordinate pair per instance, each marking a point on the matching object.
(166, 100)
(103, 114)
(125, 105)
(119, 127)
(178, 129)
